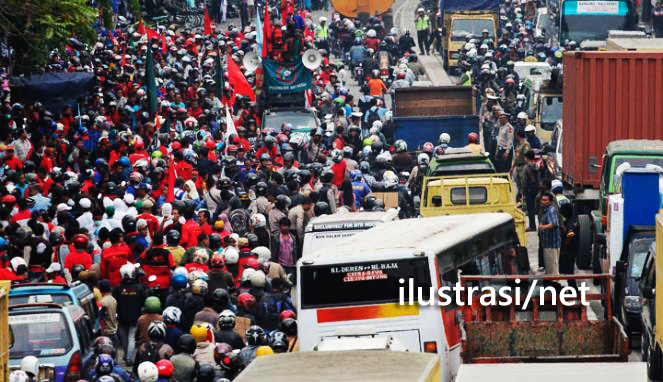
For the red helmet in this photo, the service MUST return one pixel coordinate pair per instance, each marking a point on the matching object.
(287, 314)
(217, 261)
(232, 148)
(176, 145)
(210, 144)
(473, 138)
(428, 147)
(253, 264)
(246, 301)
(166, 368)
(80, 241)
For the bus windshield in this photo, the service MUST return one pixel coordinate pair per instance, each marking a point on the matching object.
(591, 20)
(364, 283)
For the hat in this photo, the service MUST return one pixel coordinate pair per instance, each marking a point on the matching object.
(129, 199)
(357, 114)
(63, 207)
(85, 203)
(54, 267)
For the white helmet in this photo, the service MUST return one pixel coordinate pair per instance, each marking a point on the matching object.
(377, 125)
(258, 220)
(371, 33)
(231, 255)
(389, 178)
(472, 52)
(373, 131)
(530, 128)
(258, 279)
(322, 19)
(522, 115)
(128, 271)
(246, 275)
(337, 156)
(263, 253)
(423, 158)
(172, 315)
(148, 372)
(18, 376)
(445, 139)
(30, 364)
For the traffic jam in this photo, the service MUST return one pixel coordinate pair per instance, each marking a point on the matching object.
(327, 190)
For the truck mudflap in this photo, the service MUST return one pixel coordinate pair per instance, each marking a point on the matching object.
(543, 332)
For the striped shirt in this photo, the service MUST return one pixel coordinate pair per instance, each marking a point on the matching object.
(550, 238)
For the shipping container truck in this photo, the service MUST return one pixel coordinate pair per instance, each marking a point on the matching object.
(608, 96)
(461, 18)
(422, 114)
(635, 44)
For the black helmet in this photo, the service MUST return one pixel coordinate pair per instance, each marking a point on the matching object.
(221, 298)
(173, 238)
(255, 335)
(253, 240)
(261, 188)
(364, 167)
(288, 326)
(316, 169)
(187, 344)
(304, 176)
(128, 224)
(206, 373)
(279, 342)
(282, 202)
(224, 183)
(369, 202)
(327, 176)
(215, 241)
(379, 205)
(321, 208)
(110, 187)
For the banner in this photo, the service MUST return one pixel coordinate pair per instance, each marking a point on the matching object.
(286, 77)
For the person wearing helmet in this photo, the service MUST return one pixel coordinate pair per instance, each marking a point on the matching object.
(154, 349)
(415, 182)
(422, 24)
(255, 337)
(183, 362)
(473, 144)
(322, 34)
(532, 139)
(130, 296)
(151, 312)
(105, 366)
(406, 42)
(79, 256)
(147, 372)
(359, 187)
(227, 333)
(445, 139)
(158, 261)
(402, 160)
(204, 353)
(219, 277)
(171, 317)
(275, 303)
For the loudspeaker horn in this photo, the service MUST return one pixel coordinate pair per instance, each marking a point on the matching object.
(251, 61)
(312, 59)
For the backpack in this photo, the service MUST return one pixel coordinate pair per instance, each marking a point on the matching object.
(373, 116)
(151, 352)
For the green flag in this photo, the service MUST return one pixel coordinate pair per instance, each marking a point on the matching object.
(219, 77)
(150, 82)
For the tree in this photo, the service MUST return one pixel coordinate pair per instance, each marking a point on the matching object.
(33, 28)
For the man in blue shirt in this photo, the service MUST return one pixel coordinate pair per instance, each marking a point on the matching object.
(549, 235)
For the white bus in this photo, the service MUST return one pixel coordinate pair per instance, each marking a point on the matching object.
(353, 287)
(327, 230)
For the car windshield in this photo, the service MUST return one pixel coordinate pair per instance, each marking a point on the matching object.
(60, 299)
(363, 283)
(39, 334)
(462, 169)
(591, 20)
(551, 110)
(638, 252)
(303, 122)
(461, 28)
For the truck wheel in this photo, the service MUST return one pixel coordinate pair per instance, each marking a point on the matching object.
(584, 258)
(645, 347)
(596, 262)
(654, 365)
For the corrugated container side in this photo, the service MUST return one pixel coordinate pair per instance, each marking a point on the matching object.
(434, 101)
(4, 330)
(608, 96)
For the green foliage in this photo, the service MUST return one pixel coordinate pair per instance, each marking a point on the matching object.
(35, 27)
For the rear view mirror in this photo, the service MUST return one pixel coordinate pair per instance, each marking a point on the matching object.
(437, 201)
(648, 292)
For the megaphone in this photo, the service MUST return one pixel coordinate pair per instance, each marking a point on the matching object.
(312, 59)
(251, 61)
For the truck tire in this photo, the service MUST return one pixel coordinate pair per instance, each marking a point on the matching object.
(654, 365)
(644, 346)
(584, 258)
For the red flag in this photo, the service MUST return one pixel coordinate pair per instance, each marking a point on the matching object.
(110, 34)
(170, 194)
(237, 80)
(124, 56)
(151, 34)
(141, 27)
(266, 33)
(164, 45)
(208, 24)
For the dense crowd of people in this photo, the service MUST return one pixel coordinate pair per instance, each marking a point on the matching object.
(187, 223)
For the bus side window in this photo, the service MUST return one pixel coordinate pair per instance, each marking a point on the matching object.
(450, 278)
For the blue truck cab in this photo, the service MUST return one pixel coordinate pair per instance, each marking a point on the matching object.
(77, 294)
(59, 336)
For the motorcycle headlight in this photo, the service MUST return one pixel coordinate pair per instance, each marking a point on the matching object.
(632, 303)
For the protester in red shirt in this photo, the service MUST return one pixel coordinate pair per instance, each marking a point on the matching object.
(79, 256)
(114, 257)
(158, 261)
(204, 217)
(339, 168)
(11, 161)
(190, 230)
(182, 169)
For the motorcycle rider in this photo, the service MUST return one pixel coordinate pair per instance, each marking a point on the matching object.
(130, 296)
